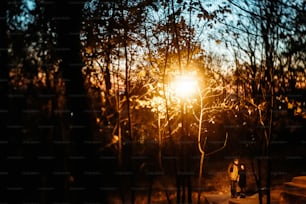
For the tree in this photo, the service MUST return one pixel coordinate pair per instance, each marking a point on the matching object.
(78, 151)
(176, 52)
(110, 41)
(35, 105)
(68, 27)
(257, 41)
(122, 43)
(4, 90)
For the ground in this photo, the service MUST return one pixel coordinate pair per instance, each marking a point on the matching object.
(215, 184)
(206, 198)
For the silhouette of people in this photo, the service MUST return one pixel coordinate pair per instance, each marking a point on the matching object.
(233, 175)
(242, 180)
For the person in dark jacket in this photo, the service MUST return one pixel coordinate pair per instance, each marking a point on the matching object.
(242, 180)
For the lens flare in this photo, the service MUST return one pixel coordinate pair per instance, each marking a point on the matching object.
(185, 86)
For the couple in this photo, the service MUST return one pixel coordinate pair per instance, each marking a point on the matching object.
(237, 176)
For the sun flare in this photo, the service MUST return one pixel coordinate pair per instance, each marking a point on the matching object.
(185, 86)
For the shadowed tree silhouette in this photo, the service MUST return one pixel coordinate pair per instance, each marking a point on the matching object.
(77, 147)
(4, 98)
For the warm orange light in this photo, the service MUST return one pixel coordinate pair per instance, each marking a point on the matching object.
(185, 86)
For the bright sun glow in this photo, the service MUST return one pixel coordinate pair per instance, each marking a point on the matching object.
(185, 86)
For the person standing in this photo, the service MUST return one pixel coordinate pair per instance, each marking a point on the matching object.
(233, 175)
(242, 180)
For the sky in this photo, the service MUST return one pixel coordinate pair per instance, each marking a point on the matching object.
(25, 18)
(30, 4)
(210, 38)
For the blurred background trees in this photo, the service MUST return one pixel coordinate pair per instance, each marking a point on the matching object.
(87, 97)
(266, 79)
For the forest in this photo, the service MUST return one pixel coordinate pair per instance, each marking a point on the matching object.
(101, 99)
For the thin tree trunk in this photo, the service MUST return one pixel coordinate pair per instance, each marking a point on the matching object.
(4, 91)
(129, 152)
(259, 185)
(268, 181)
(201, 150)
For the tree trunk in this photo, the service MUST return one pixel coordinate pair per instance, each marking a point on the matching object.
(4, 89)
(259, 185)
(77, 151)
